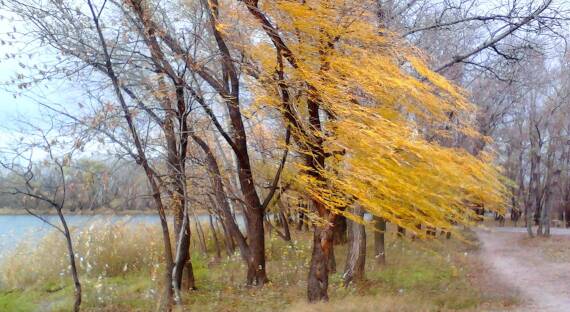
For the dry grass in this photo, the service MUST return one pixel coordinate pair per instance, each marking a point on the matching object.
(120, 271)
(380, 303)
(102, 249)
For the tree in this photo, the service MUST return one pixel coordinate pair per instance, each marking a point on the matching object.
(359, 118)
(19, 162)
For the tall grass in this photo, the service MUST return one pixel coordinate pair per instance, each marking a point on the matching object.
(103, 249)
(121, 266)
(106, 249)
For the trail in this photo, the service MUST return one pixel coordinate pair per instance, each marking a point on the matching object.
(543, 284)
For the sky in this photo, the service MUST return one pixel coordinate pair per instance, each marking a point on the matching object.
(15, 107)
(24, 106)
(10, 108)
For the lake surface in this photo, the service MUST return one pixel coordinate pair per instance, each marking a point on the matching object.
(13, 228)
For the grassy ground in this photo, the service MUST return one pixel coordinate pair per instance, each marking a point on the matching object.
(419, 276)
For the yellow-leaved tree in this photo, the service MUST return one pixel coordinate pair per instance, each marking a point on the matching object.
(374, 124)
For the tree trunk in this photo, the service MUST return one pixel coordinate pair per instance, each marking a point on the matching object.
(379, 240)
(254, 209)
(528, 222)
(318, 281)
(340, 230)
(215, 237)
(223, 203)
(534, 196)
(401, 232)
(72, 263)
(356, 257)
(284, 220)
(238, 141)
(567, 214)
(548, 201)
(182, 255)
(176, 144)
(182, 237)
(285, 224)
(301, 221)
(229, 241)
(256, 274)
(190, 279)
(267, 221)
(431, 231)
(201, 236)
(332, 259)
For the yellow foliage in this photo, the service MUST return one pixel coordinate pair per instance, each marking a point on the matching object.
(379, 102)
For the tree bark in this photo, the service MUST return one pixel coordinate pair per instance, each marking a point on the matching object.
(401, 232)
(379, 240)
(215, 237)
(332, 259)
(533, 199)
(182, 237)
(254, 210)
(431, 231)
(356, 257)
(222, 202)
(567, 214)
(256, 274)
(201, 236)
(72, 262)
(177, 147)
(301, 221)
(284, 220)
(340, 230)
(318, 280)
(181, 258)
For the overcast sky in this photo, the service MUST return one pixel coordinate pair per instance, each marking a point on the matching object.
(22, 107)
(10, 108)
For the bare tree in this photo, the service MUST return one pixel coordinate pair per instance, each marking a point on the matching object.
(19, 162)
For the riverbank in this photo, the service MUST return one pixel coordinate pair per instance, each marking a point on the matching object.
(124, 275)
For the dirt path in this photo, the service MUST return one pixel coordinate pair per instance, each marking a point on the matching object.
(535, 268)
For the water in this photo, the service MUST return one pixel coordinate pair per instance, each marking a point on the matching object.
(14, 228)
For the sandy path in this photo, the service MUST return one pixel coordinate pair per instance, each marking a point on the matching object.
(543, 284)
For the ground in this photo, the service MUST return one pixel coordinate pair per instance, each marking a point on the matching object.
(459, 274)
(538, 269)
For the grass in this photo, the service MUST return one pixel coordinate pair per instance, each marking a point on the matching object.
(120, 272)
(17, 301)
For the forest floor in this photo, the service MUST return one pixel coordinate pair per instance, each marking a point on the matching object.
(538, 269)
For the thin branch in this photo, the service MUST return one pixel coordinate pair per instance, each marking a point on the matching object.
(279, 171)
(493, 40)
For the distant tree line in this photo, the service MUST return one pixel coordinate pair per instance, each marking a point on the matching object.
(93, 185)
